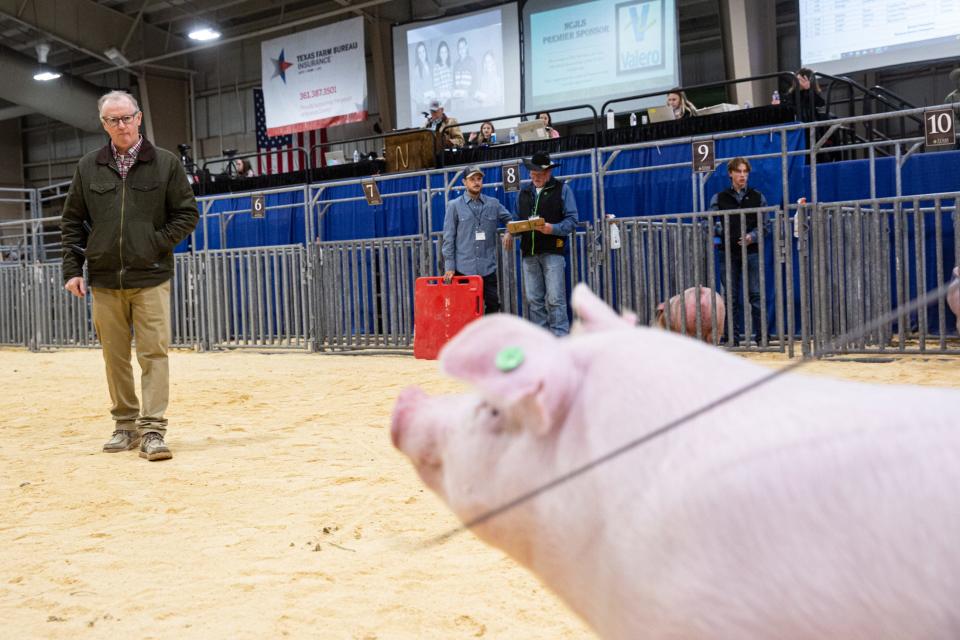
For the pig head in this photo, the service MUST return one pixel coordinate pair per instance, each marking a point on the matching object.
(692, 304)
(806, 508)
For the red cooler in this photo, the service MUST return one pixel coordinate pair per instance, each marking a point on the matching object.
(441, 310)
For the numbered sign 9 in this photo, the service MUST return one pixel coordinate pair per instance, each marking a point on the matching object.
(511, 177)
(258, 207)
(938, 128)
(371, 192)
(703, 155)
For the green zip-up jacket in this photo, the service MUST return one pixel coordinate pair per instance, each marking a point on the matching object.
(126, 229)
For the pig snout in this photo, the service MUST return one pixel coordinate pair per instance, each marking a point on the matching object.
(416, 430)
(407, 401)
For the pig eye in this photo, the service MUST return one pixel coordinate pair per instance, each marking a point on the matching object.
(488, 411)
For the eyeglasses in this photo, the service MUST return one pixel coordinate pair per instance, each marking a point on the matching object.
(115, 122)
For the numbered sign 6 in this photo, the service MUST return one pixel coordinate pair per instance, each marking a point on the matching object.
(704, 155)
(938, 128)
(372, 193)
(258, 208)
(511, 177)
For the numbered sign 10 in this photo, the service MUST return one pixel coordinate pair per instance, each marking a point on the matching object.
(939, 128)
(704, 155)
(372, 193)
(511, 177)
(258, 208)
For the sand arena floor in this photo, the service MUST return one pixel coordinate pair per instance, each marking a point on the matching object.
(284, 513)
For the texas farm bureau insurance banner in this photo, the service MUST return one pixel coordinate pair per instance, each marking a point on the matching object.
(315, 78)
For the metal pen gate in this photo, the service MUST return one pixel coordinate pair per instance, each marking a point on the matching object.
(256, 297)
(865, 258)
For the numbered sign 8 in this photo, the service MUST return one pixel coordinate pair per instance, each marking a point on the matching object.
(511, 177)
(258, 207)
(704, 155)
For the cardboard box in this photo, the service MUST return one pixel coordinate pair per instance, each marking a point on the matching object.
(519, 226)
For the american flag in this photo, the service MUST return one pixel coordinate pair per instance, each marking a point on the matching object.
(285, 156)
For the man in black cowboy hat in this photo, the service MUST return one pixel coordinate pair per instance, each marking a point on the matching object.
(543, 250)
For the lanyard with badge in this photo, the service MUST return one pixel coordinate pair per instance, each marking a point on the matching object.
(479, 234)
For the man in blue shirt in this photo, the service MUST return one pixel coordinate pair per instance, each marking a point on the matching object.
(470, 237)
(544, 250)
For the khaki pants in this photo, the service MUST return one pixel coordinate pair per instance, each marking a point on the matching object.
(147, 312)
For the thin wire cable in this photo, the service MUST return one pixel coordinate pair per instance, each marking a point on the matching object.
(832, 347)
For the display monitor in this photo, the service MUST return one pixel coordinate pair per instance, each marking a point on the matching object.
(470, 63)
(579, 52)
(843, 36)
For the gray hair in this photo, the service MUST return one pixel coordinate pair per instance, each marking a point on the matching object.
(116, 95)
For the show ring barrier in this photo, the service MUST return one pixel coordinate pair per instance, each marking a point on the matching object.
(317, 268)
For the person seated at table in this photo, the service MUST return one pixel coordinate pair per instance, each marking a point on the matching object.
(484, 136)
(445, 128)
(243, 168)
(545, 117)
(682, 107)
(805, 96)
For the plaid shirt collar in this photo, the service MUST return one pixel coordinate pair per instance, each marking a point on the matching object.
(124, 162)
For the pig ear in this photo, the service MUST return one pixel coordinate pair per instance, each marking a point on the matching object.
(595, 315)
(518, 366)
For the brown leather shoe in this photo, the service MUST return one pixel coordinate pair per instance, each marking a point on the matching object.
(122, 441)
(153, 448)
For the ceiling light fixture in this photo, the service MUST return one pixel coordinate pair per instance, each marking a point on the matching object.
(44, 73)
(203, 34)
(116, 57)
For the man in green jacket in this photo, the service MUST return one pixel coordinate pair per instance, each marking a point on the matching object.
(129, 205)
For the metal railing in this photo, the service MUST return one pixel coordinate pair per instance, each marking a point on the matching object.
(823, 268)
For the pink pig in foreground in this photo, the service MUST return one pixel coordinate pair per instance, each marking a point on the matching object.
(808, 508)
(690, 304)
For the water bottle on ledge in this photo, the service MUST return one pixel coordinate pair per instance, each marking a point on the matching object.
(776, 97)
(633, 119)
(513, 135)
(356, 155)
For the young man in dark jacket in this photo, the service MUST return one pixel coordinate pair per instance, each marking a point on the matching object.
(742, 239)
(129, 205)
(543, 250)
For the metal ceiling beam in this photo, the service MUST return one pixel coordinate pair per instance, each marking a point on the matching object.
(9, 113)
(85, 25)
(69, 100)
(285, 26)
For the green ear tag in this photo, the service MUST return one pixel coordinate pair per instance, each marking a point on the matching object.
(509, 358)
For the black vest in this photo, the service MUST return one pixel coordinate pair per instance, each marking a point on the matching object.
(549, 206)
(726, 200)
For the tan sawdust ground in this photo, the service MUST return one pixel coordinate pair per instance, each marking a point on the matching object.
(285, 511)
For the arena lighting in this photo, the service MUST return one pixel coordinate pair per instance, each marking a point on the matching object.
(44, 73)
(203, 34)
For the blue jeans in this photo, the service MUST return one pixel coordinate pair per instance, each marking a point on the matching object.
(753, 291)
(545, 291)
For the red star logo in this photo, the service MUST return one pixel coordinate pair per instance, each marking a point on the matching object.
(281, 67)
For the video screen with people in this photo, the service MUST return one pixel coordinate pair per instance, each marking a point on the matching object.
(469, 64)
